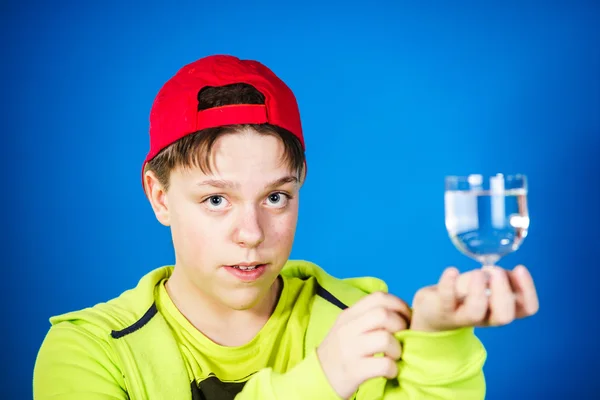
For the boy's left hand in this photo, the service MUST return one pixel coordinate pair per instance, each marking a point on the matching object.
(460, 300)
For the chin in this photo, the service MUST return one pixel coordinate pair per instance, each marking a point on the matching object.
(246, 299)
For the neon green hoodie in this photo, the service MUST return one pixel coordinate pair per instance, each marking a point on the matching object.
(138, 346)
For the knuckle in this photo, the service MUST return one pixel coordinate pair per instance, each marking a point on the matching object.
(380, 340)
(422, 294)
(380, 314)
(379, 296)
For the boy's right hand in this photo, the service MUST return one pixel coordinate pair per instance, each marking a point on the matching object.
(347, 354)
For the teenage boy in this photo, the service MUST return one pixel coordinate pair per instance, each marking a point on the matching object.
(234, 317)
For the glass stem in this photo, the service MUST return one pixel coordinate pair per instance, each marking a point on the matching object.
(486, 267)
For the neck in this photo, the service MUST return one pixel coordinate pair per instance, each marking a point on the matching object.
(220, 323)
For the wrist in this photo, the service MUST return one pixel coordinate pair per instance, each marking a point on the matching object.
(335, 381)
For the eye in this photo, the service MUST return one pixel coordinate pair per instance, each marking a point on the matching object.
(278, 199)
(216, 203)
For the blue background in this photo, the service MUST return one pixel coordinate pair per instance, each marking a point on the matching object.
(394, 96)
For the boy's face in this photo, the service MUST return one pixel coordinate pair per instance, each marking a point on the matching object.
(245, 211)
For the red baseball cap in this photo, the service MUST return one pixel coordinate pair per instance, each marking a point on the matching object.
(175, 114)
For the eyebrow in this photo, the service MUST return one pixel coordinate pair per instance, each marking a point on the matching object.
(223, 184)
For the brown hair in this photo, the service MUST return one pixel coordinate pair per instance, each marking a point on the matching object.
(195, 149)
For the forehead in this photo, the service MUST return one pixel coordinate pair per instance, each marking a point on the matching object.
(247, 150)
(244, 157)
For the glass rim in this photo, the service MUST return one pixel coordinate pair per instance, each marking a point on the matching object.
(500, 182)
(485, 177)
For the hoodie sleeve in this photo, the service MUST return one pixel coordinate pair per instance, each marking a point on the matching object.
(73, 363)
(444, 365)
(441, 365)
(305, 381)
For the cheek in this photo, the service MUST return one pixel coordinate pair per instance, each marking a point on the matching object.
(193, 232)
(284, 228)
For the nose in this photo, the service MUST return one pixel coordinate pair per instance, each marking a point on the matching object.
(249, 232)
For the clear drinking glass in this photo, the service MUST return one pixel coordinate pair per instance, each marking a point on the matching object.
(486, 216)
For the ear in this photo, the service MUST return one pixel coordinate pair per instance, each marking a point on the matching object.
(157, 196)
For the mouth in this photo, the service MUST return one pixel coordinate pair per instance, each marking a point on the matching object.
(247, 272)
(245, 268)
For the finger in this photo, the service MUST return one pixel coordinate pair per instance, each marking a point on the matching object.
(527, 302)
(475, 305)
(502, 299)
(376, 319)
(378, 300)
(380, 341)
(447, 290)
(377, 367)
(463, 282)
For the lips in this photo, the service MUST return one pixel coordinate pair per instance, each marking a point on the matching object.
(244, 268)
(247, 272)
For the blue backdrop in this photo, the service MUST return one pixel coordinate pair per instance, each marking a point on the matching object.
(394, 96)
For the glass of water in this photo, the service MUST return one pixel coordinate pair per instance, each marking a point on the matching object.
(486, 216)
